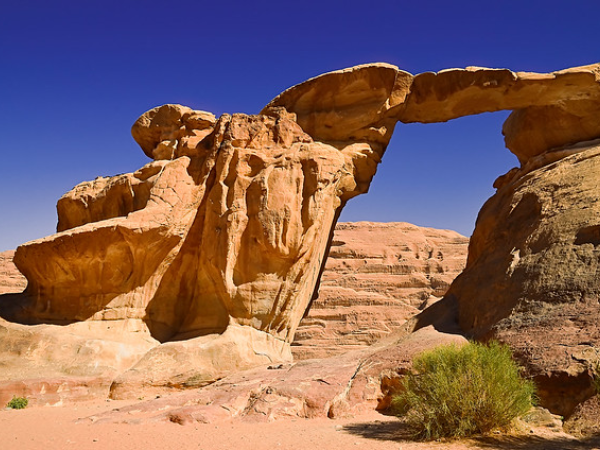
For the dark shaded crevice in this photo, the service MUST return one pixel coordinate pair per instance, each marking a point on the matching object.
(442, 315)
(168, 310)
(588, 235)
(561, 393)
(315, 294)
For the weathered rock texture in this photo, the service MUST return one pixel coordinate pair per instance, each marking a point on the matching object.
(550, 110)
(11, 280)
(532, 275)
(377, 276)
(213, 250)
(585, 420)
(51, 364)
(348, 384)
(210, 255)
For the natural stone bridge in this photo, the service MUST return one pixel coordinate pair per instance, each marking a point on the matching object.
(205, 260)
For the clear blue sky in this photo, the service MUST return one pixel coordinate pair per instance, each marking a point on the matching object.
(75, 75)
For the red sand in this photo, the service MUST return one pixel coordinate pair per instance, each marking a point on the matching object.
(49, 428)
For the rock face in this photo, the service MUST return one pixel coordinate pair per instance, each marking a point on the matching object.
(348, 384)
(377, 276)
(532, 275)
(11, 280)
(205, 260)
(211, 252)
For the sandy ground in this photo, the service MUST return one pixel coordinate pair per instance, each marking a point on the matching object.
(50, 428)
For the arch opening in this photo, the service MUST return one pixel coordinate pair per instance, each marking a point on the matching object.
(437, 175)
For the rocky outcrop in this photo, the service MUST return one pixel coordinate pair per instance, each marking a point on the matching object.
(342, 386)
(214, 249)
(50, 364)
(550, 110)
(350, 105)
(377, 276)
(532, 275)
(11, 280)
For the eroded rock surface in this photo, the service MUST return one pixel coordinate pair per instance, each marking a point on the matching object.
(550, 109)
(11, 280)
(205, 260)
(532, 275)
(342, 386)
(377, 276)
(211, 252)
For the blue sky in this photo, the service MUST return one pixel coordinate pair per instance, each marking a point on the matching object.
(75, 75)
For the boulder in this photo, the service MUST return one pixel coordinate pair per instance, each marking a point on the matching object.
(171, 131)
(531, 278)
(585, 420)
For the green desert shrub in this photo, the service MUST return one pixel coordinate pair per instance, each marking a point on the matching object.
(461, 391)
(17, 403)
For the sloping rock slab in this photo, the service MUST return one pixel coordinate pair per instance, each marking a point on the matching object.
(341, 386)
(585, 420)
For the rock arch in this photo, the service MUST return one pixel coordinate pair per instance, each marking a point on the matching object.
(210, 254)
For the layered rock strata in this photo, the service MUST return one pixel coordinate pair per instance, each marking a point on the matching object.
(11, 280)
(377, 276)
(215, 248)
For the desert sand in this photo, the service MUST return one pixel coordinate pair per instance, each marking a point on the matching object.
(66, 427)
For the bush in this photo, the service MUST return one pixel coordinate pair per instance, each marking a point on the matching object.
(17, 403)
(460, 391)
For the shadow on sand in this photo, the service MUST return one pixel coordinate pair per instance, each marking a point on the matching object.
(399, 432)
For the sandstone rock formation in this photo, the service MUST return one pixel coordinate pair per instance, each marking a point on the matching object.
(550, 110)
(204, 261)
(532, 275)
(11, 280)
(211, 252)
(343, 386)
(585, 420)
(377, 276)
